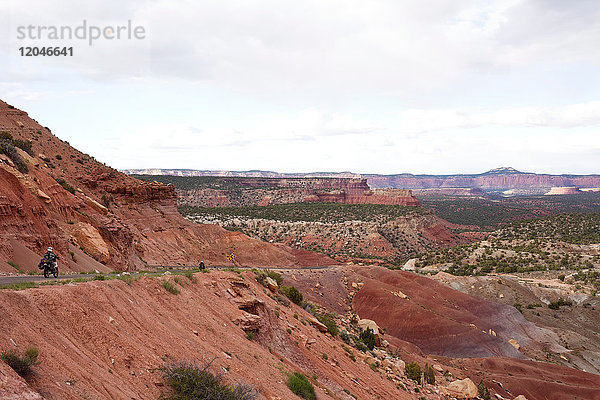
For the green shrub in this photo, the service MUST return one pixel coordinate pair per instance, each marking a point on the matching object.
(329, 322)
(360, 345)
(368, 338)
(250, 335)
(413, 371)
(170, 287)
(483, 391)
(21, 364)
(192, 382)
(301, 386)
(7, 147)
(292, 293)
(346, 337)
(519, 307)
(190, 276)
(24, 145)
(65, 185)
(429, 375)
(555, 305)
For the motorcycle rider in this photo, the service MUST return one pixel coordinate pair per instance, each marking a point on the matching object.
(50, 257)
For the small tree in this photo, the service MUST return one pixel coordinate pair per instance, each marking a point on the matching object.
(21, 364)
(368, 338)
(483, 391)
(429, 375)
(413, 371)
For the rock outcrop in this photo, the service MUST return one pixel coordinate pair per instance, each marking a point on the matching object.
(563, 190)
(460, 389)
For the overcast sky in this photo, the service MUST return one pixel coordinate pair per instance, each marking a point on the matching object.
(318, 85)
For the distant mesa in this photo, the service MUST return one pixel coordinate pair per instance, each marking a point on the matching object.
(496, 180)
(502, 170)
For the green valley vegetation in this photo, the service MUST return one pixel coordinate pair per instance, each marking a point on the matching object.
(542, 244)
(309, 212)
(488, 214)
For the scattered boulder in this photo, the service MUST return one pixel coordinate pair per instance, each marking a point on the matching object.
(514, 344)
(400, 294)
(460, 389)
(44, 197)
(410, 265)
(315, 322)
(95, 205)
(272, 285)
(520, 397)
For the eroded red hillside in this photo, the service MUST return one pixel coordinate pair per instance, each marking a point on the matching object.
(106, 217)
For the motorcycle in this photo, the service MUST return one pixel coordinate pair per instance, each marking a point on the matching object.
(49, 267)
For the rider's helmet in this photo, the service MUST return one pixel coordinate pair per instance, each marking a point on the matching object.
(50, 249)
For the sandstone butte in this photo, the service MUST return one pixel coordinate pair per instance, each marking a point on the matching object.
(108, 339)
(266, 191)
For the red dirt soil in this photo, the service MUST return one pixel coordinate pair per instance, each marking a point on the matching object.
(107, 339)
(435, 320)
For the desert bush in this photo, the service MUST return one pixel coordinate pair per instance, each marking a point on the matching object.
(189, 381)
(429, 375)
(292, 293)
(7, 147)
(21, 364)
(345, 336)
(261, 277)
(329, 322)
(483, 391)
(24, 145)
(190, 276)
(170, 287)
(519, 307)
(413, 371)
(65, 185)
(555, 305)
(368, 338)
(301, 386)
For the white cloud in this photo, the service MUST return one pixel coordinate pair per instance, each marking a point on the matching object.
(569, 116)
(347, 46)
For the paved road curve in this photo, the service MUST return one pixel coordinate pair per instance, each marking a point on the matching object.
(9, 280)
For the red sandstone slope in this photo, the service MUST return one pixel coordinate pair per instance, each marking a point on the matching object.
(109, 339)
(435, 319)
(443, 321)
(116, 219)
